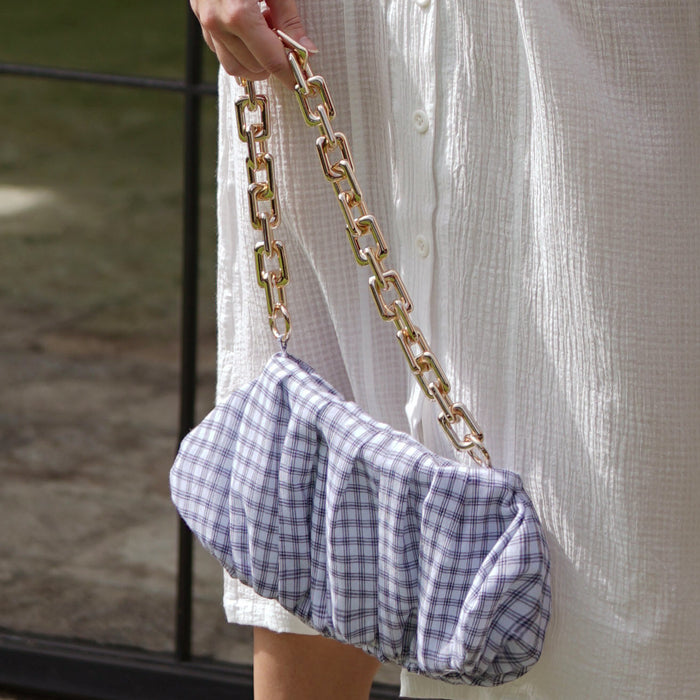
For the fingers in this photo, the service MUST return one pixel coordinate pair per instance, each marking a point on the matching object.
(242, 64)
(266, 48)
(208, 39)
(244, 40)
(229, 27)
(285, 17)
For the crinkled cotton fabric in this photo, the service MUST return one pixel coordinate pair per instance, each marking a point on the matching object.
(364, 534)
(535, 167)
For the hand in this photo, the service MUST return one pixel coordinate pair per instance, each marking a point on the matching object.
(243, 39)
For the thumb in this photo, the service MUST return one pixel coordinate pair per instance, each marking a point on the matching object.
(283, 15)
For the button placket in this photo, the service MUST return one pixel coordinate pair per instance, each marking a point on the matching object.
(421, 122)
(414, 98)
(422, 246)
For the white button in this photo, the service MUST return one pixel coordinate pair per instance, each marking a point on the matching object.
(420, 121)
(422, 3)
(422, 246)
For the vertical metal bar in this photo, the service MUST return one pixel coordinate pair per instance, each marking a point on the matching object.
(188, 366)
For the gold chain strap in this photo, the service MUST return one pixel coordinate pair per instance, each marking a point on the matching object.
(368, 244)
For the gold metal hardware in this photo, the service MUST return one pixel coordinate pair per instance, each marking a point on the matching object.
(264, 212)
(246, 104)
(334, 153)
(315, 85)
(388, 311)
(325, 146)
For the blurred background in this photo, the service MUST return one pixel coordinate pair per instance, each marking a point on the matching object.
(91, 180)
(91, 229)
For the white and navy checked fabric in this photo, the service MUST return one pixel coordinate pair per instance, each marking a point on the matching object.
(363, 533)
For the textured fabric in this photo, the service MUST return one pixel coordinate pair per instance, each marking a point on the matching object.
(551, 207)
(364, 534)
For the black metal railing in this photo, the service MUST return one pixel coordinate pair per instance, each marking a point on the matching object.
(60, 667)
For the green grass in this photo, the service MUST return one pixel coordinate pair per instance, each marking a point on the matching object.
(104, 256)
(145, 37)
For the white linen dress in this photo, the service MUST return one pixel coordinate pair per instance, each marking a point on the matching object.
(536, 169)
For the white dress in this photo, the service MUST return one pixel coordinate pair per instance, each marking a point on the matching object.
(536, 169)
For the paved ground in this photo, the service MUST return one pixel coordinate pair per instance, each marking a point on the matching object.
(88, 546)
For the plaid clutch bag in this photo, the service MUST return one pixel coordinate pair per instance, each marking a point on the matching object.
(363, 533)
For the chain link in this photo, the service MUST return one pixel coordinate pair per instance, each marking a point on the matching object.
(368, 243)
(270, 256)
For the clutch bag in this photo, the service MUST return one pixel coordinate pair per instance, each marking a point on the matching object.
(363, 533)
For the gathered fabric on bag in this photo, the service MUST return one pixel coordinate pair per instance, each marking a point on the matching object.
(363, 533)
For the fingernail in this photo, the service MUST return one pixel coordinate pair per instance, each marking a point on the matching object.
(308, 44)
